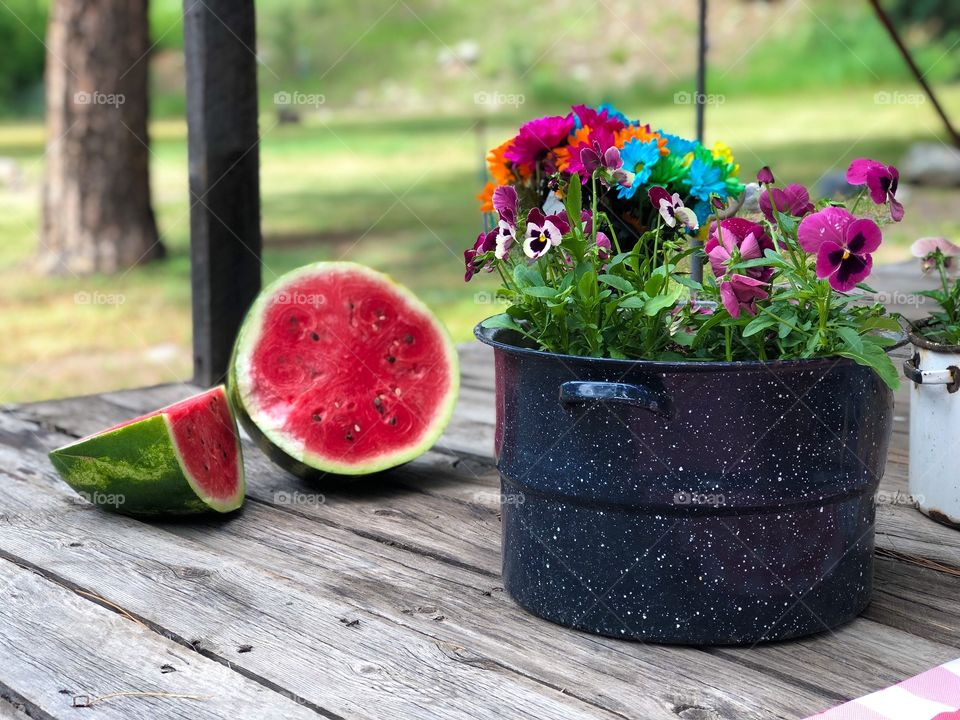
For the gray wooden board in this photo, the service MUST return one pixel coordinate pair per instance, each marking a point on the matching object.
(414, 556)
(58, 649)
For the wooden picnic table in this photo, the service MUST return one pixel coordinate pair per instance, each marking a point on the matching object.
(384, 599)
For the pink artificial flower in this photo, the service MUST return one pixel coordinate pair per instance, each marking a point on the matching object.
(881, 180)
(792, 200)
(842, 244)
(538, 137)
(543, 233)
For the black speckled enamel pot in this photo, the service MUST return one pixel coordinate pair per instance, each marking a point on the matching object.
(696, 503)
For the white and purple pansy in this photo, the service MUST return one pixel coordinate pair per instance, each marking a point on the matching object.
(505, 203)
(672, 209)
(543, 232)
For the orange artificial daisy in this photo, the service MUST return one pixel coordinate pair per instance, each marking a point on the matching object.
(643, 133)
(580, 138)
(486, 197)
(499, 165)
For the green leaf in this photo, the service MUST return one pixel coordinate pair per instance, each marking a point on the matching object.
(660, 302)
(503, 321)
(758, 324)
(851, 338)
(540, 291)
(587, 287)
(617, 282)
(654, 285)
(874, 357)
(634, 302)
(687, 281)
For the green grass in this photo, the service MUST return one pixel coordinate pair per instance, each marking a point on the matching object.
(398, 196)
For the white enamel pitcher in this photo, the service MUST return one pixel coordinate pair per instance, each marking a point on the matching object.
(934, 370)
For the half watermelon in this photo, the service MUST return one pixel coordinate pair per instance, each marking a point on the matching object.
(178, 460)
(338, 369)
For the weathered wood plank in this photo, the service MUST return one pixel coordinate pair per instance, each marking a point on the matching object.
(59, 648)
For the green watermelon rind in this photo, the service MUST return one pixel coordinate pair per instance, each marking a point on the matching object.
(141, 464)
(285, 452)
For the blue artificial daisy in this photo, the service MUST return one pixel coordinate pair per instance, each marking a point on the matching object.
(705, 179)
(612, 112)
(678, 145)
(639, 158)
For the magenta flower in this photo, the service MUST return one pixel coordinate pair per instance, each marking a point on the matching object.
(735, 240)
(881, 180)
(792, 200)
(543, 233)
(927, 248)
(538, 137)
(601, 120)
(672, 210)
(741, 292)
(484, 244)
(505, 203)
(765, 176)
(842, 244)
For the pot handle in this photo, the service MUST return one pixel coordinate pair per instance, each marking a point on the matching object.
(949, 377)
(579, 392)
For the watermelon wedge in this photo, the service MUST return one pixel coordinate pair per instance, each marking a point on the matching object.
(178, 460)
(338, 369)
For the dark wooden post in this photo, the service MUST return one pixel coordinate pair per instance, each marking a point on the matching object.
(696, 262)
(225, 241)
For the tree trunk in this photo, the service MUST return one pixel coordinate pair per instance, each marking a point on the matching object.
(96, 198)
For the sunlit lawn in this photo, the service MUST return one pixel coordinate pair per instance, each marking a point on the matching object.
(398, 196)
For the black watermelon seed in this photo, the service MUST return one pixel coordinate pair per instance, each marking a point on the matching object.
(391, 359)
(314, 336)
(408, 339)
(393, 421)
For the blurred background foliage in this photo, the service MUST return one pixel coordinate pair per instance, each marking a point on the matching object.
(385, 170)
(553, 53)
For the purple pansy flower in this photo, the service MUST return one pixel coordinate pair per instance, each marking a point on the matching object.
(765, 176)
(543, 232)
(741, 292)
(842, 244)
(881, 180)
(793, 200)
(593, 157)
(926, 249)
(505, 203)
(738, 239)
(672, 210)
(485, 243)
(604, 246)
(538, 137)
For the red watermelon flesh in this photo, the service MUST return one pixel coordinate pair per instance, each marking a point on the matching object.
(344, 370)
